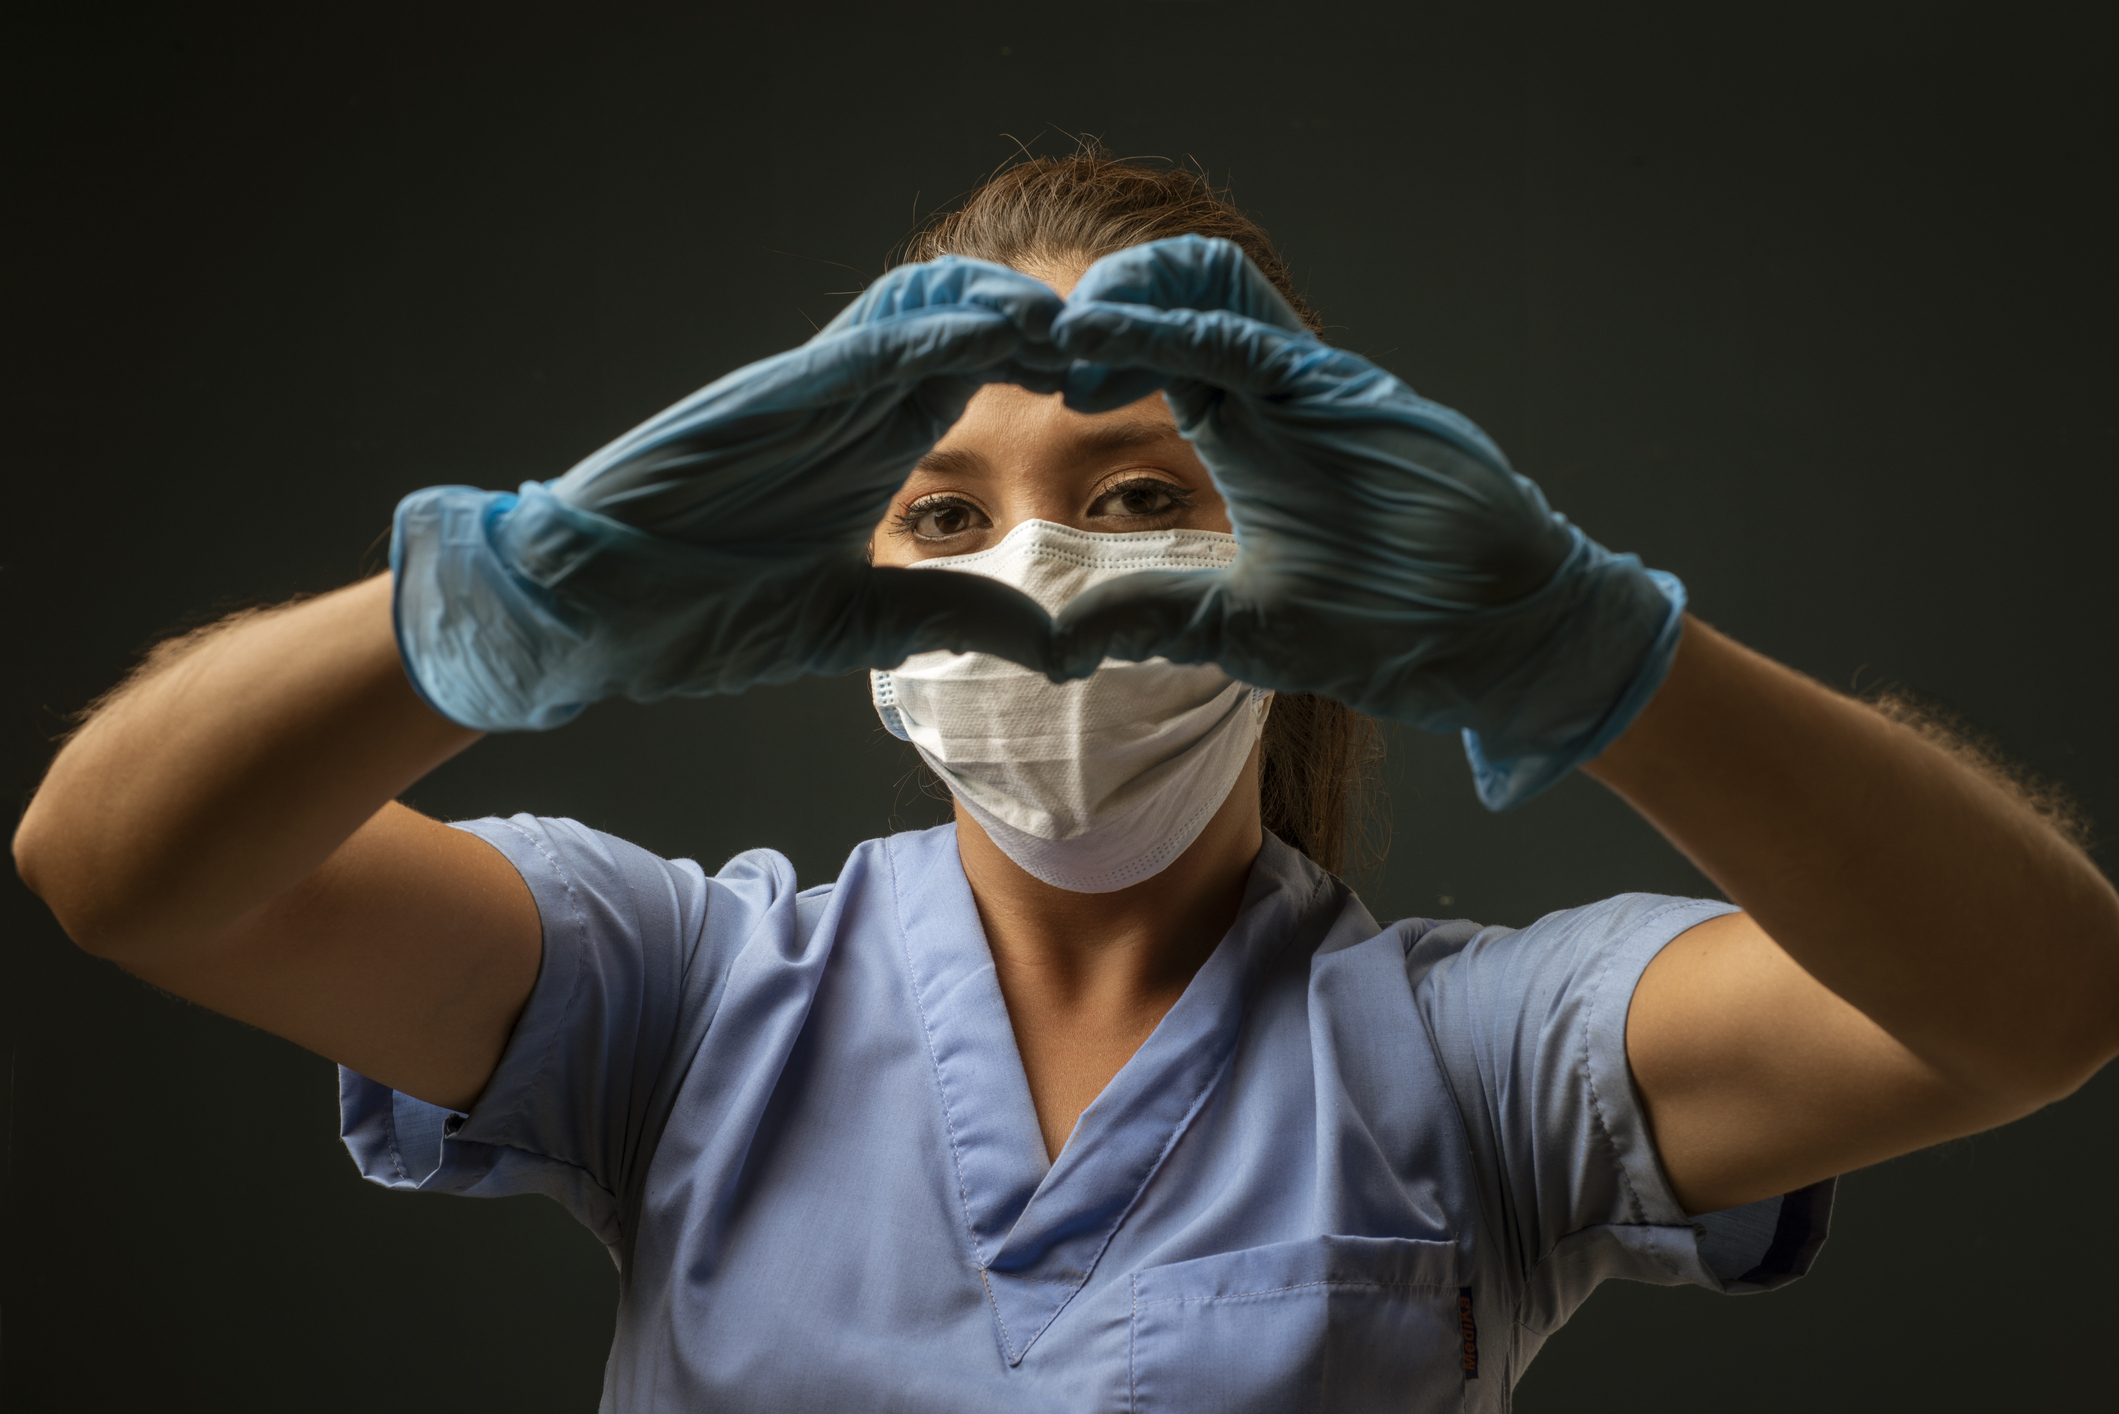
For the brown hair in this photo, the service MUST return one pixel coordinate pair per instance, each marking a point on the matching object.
(1318, 763)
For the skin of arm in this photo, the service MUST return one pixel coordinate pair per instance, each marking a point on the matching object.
(1852, 1014)
(224, 827)
(1921, 955)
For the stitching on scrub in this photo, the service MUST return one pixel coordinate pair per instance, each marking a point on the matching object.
(1181, 1128)
(1297, 1286)
(1140, 1186)
(919, 1006)
(1638, 1210)
(1590, 1013)
(1133, 1350)
(581, 929)
(956, 1152)
(1489, 1166)
(993, 1303)
(390, 1128)
(1596, 1100)
(1318, 884)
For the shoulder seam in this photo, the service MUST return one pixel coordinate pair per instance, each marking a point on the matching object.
(580, 926)
(1636, 1208)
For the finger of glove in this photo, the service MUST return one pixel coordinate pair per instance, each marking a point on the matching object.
(899, 349)
(718, 422)
(1174, 614)
(1227, 350)
(900, 612)
(1030, 377)
(1194, 353)
(1186, 272)
(1028, 303)
(1101, 387)
(943, 398)
(1039, 368)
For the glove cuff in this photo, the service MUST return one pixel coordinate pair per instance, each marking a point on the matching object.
(482, 643)
(515, 611)
(1514, 761)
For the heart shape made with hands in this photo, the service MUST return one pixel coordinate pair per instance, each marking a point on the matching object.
(1389, 556)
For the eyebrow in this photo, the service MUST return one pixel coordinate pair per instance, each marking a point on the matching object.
(951, 461)
(1123, 436)
(1098, 441)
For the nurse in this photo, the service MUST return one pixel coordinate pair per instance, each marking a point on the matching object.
(1109, 1095)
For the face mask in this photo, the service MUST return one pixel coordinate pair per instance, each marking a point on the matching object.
(1089, 785)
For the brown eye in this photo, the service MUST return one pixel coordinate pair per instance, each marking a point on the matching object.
(940, 519)
(1143, 498)
(939, 522)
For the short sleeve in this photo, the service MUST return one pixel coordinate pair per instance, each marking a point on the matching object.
(635, 948)
(1531, 1026)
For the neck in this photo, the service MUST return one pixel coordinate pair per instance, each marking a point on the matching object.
(1146, 936)
(1088, 976)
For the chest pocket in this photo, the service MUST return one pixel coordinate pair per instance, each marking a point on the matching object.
(1348, 1325)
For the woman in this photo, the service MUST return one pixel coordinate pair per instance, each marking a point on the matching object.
(1104, 1096)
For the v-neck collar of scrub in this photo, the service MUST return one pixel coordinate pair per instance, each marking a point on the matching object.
(1037, 1227)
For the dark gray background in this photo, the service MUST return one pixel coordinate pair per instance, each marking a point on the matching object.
(1811, 307)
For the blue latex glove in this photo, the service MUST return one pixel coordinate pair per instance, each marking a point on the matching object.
(721, 544)
(1389, 557)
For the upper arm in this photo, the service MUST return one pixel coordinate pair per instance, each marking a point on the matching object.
(1757, 1080)
(1531, 1026)
(406, 956)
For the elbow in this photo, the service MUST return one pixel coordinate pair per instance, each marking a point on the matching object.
(54, 869)
(36, 862)
(2097, 1039)
(26, 852)
(2013, 1087)
(2099, 1049)
(2075, 1042)
(2064, 1072)
(2064, 1028)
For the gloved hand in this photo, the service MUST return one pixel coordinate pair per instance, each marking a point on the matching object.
(720, 544)
(1388, 555)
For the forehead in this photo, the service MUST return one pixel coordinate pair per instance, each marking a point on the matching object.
(1006, 420)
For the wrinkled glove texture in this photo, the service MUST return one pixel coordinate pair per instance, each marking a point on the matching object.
(721, 544)
(1389, 556)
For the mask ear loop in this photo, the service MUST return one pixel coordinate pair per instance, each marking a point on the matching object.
(883, 691)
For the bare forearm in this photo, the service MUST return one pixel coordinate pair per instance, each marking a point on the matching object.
(1922, 891)
(225, 776)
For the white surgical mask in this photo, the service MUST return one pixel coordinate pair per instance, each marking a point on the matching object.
(1088, 785)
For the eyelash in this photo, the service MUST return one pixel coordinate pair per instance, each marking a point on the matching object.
(908, 520)
(1180, 496)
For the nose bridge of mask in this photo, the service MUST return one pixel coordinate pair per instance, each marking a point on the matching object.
(1053, 563)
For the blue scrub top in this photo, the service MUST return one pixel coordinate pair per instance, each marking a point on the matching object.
(1355, 1168)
